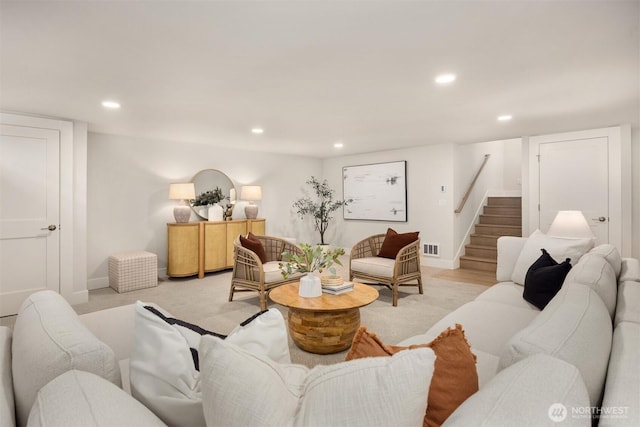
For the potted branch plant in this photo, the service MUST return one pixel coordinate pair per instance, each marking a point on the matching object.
(211, 199)
(313, 258)
(321, 207)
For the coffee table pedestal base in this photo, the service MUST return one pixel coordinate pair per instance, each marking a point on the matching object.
(323, 332)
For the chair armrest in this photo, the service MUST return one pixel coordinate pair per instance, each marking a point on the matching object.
(246, 264)
(509, 248)
(408, 258)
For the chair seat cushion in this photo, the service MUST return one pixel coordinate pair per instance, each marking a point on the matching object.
(374, 266)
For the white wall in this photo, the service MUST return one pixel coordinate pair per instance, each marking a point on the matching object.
(429, 210)
(128, 182)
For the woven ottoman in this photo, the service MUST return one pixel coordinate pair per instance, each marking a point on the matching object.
(129, 271)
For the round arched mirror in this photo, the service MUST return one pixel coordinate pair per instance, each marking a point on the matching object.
(211, 180)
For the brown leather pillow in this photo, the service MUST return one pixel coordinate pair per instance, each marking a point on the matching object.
(455, 377)
(393, 242)
(254, 244)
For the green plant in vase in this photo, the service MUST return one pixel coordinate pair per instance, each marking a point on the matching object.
(209, 198)
(313, 258)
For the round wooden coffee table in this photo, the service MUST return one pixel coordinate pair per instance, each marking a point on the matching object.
(324, 324)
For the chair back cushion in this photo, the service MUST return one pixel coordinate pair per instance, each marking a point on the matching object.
(393, 242)
(254, 244)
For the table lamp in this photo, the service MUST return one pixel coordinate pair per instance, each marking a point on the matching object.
(183, 192)
(251, 193)
(571, 224)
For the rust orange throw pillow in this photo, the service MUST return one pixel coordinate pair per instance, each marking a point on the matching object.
(455, 376)
(393, 242)
(254, 244)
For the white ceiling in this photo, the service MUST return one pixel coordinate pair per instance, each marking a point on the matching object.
(315, 72)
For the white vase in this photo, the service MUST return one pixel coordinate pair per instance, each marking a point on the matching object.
(310, 286)
(215, 213)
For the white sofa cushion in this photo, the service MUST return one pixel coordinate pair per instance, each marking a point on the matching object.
(595, 271)
(48, 340)
(630, 270)
(375, 266)
(628, 308)
(508, 249)
(559, 249)
(78, 398)
(484, 325)
(243, 389)
(575, 327)
(272, 272)
(507, 293)
(524, 394)
(611, 254)
(164, 375)
(7, 405)
(622, 391)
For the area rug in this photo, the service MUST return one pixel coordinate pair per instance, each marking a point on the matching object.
(205, 302)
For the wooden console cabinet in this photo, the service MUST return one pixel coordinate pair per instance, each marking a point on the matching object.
(205, 246)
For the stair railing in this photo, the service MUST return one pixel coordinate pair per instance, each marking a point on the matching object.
(475, 178)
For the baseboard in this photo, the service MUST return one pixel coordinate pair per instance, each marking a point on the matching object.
(437, 262)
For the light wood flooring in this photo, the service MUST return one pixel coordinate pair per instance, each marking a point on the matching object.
(478, 277)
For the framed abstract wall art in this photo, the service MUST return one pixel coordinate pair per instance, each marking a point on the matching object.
(378, 191)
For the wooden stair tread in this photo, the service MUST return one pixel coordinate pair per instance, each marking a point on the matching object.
(470, 245)
(479, 259)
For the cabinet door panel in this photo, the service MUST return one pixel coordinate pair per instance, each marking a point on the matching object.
(234, 229)
(257, 226)
(215, 246)
(183, 249)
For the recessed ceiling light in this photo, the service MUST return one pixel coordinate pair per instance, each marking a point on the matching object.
(111, 104)
(505, 117)
(443, 79)
(257, 131)
(338, 145)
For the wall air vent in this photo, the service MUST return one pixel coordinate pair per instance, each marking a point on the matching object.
(432, 249)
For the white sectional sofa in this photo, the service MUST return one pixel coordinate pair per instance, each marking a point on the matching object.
(578, 357)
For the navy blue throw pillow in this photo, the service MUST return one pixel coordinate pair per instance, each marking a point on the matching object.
(544, 279)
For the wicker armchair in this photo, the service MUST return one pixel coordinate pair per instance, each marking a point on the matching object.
(366, 265)
(250, 274)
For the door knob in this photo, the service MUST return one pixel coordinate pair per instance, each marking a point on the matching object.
(52, 227)
(600, 219)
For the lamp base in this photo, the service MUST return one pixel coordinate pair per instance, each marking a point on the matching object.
(251, 211)
(182, 213)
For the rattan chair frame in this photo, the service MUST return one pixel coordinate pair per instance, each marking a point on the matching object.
(406, 267)
(248, 273)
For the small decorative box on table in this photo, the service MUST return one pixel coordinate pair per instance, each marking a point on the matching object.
(129, 271)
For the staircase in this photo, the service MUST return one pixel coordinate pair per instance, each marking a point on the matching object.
(502, 216)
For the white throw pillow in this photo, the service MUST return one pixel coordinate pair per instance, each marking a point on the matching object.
(244, 389)
(559, 248)
(595, 271)
(164, 359)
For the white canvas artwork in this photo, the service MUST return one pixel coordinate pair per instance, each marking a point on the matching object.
(378, 191)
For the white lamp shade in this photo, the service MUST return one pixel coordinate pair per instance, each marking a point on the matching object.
(182, 191)
(251, 192)
(570, 224)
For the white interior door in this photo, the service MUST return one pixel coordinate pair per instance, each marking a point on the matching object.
(574, 175)
(29, 213)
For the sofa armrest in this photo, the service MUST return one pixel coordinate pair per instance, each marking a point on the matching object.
(509, 248)
(7, 404)
(114, 327)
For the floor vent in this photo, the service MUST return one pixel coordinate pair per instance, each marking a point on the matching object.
(432, 249)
